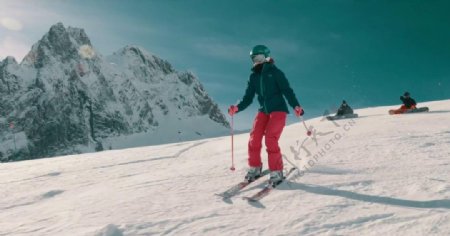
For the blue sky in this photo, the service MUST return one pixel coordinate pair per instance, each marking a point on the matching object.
(367, 52)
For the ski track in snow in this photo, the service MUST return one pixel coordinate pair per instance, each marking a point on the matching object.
(387, 175)
(41, 197)
(358, 222)
(176, 155)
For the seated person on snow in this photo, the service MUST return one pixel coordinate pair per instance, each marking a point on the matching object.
(408, 102)
(345, 109)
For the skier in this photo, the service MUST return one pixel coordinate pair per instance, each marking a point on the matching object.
(345, 109)
(270, 84)
(408, 104)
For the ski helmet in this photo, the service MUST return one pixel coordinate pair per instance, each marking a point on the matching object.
(260, 49)
(406, 94)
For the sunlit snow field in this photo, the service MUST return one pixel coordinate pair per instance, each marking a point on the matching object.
(374, 175)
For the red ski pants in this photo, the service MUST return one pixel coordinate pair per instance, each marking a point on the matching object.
(403, 109)
(271, 126)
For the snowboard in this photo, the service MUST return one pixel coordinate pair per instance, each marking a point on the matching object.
(347, 116)
(420, 109)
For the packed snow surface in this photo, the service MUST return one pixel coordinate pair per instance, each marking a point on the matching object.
(374, 175)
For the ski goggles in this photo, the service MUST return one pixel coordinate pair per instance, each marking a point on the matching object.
(259, 58)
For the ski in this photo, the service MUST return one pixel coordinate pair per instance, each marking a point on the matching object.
(238, 187)
(267, 189)
(348, 116)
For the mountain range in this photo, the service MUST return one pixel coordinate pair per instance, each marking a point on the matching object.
(66, 98)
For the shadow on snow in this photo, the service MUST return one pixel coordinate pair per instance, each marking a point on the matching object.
(316, 189)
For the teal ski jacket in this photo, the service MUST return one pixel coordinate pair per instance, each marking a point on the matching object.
(270, 84)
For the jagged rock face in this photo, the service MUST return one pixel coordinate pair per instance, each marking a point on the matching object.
(65, 96)
(10, 83)
(59, 44)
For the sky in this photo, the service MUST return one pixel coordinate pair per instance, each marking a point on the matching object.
(366, 52)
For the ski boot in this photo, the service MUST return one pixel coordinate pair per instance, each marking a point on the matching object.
(253, 173)
(276, 177)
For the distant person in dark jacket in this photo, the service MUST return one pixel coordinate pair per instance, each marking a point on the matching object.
(408, 102)
(345, 109)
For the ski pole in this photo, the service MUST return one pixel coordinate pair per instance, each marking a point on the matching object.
(308, 132)
(232, 144)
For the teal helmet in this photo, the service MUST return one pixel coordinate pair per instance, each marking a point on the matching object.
(260, 49)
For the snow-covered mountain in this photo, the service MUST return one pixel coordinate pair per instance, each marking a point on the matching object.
(374, 175)
(65, 97)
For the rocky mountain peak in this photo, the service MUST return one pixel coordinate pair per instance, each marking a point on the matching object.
(9, 60)
(59, 43)
(141, 56)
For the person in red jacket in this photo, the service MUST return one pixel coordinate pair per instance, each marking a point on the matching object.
(272, 88)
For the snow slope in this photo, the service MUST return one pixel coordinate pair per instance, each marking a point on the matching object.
(376, 175)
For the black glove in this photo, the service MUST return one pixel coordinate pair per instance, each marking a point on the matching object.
(402, 98)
